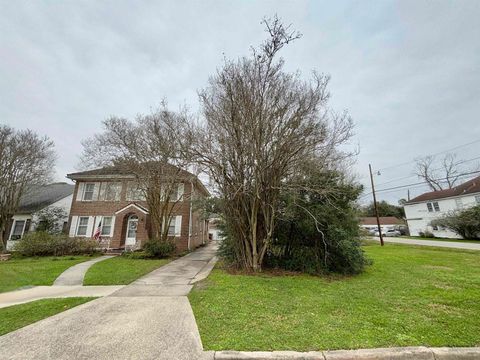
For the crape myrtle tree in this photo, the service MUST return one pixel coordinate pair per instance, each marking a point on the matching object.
(26, 159)
(260, 123)
(148, 148)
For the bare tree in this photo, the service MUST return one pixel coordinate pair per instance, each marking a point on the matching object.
(25, 159)
(149, 148)
(440, 177)
(260, 124)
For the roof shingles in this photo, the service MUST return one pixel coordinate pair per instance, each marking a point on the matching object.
(470, 187)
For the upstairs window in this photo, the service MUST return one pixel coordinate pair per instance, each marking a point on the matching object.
(110, 191)
(88, 190)
(433, 206)
(135, 192)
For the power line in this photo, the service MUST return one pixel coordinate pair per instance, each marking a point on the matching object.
(420, 183)
(440, 168)
(438, 153)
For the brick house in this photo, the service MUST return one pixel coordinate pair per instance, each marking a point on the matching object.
(109, 199)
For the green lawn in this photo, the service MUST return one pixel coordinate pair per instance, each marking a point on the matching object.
(20, 272)
(120, 270)
(410, 296)
(440, 239)
(17, 316)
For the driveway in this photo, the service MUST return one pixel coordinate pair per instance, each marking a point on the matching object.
(437, 243)
(149, 319)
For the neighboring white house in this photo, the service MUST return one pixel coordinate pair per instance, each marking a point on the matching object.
(36, 199)
(421, 210)
(214, 233)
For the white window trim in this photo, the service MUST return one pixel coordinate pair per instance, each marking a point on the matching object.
(13, 228)
(85, 190)
(112, 221)
(78, 225)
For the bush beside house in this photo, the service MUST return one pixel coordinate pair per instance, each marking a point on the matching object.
(41, 243)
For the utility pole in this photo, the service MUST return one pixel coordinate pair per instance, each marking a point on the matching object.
(375, 205)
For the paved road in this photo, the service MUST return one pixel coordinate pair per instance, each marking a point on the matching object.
(141, 321)
(446, 244)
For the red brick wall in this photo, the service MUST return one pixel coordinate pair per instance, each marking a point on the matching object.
(109, 208)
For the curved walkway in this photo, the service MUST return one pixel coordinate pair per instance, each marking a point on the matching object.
(74, 275)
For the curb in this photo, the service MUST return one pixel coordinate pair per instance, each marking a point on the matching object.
(400, 353)
(205, 271)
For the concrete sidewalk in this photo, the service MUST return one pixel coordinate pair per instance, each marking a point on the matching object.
(140, 321)
(437, 243)
(74, 275)
(44, 292)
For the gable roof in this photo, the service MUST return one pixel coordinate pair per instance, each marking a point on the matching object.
(384, 220)
(470, 187)
(39, 196)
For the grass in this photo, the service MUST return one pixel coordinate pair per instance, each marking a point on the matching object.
(440, 239)
(410, 296)
(18, 316)
(120, 270)
(17, 273)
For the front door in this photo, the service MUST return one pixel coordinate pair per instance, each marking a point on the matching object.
(131, 235)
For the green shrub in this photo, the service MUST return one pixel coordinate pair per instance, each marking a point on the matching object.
(465, 223)
(43, 244)
(158, 249)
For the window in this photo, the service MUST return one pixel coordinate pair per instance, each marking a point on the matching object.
(106, 226)
(110, 191)
(88, 191)
(171, 227)
(82, 226)
(477, 199)
(435, 227)
(135, 192)
(436, 206)
(18, 228)
(429, 207)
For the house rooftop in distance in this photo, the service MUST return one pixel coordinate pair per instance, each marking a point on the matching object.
(470, 187)
(40, 196)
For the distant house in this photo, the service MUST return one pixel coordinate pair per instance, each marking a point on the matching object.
(386, 223)
(38, 198)
(421, 210)
(214, 231)
(109, 199)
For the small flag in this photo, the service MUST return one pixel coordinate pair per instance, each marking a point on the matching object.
(96, 236)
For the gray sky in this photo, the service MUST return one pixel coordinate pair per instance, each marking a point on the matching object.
(407, 71)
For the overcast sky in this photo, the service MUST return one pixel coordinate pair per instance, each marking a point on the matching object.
(408, 72)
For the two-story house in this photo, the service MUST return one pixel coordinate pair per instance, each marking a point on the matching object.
(421, 210)
(109, 200)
